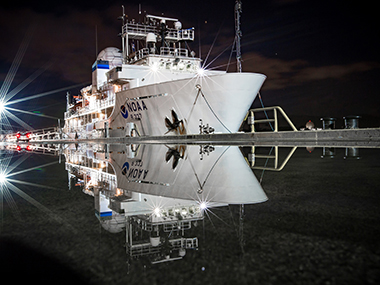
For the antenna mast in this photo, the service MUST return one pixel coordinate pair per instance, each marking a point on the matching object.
(96, 42)
(238, 34)
(124, 42)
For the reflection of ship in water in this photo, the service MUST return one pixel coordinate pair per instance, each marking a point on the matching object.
(158, 193)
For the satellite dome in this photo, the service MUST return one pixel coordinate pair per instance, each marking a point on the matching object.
(178, 25)
(112, 226)
(112, 55)
(182, 252)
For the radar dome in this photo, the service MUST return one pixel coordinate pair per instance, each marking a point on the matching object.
(178, 25)
(112, 55)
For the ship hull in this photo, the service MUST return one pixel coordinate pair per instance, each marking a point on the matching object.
(187, 106)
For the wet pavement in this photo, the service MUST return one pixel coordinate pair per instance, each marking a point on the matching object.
(320, 225)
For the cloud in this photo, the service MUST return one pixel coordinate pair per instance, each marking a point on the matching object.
(334, 71)
(287, 73)
(67, 41)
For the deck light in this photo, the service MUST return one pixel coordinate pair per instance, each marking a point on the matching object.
(154, 67)
(201, 71)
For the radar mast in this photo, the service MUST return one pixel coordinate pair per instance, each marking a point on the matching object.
(238, 34)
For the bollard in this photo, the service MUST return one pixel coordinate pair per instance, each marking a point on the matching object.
(328, 123)
(351, 122)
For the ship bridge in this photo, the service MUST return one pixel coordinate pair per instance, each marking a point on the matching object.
(154, 29)
(137, 31)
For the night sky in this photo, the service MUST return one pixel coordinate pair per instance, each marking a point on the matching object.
(321, 57)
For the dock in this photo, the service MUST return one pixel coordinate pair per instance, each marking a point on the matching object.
(362, 138)
(339, 138)
(328, 136)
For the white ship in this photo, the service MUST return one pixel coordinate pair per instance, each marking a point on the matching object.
(155, 86)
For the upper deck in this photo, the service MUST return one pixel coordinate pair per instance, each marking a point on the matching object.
(143, 38)
(137, 31)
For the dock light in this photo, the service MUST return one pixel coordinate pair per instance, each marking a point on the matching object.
(2, 107)
(3, 178)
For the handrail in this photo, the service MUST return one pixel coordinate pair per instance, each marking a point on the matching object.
(140, 31)
(275, 119)
(174, 51)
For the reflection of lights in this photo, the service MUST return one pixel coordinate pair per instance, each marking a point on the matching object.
(157, 212)
(180, 212)
(119, 192)
(203, 205)
(7, 184)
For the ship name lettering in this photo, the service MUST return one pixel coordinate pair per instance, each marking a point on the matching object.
(135, 106)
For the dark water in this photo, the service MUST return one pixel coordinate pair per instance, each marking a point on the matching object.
(320, 225)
